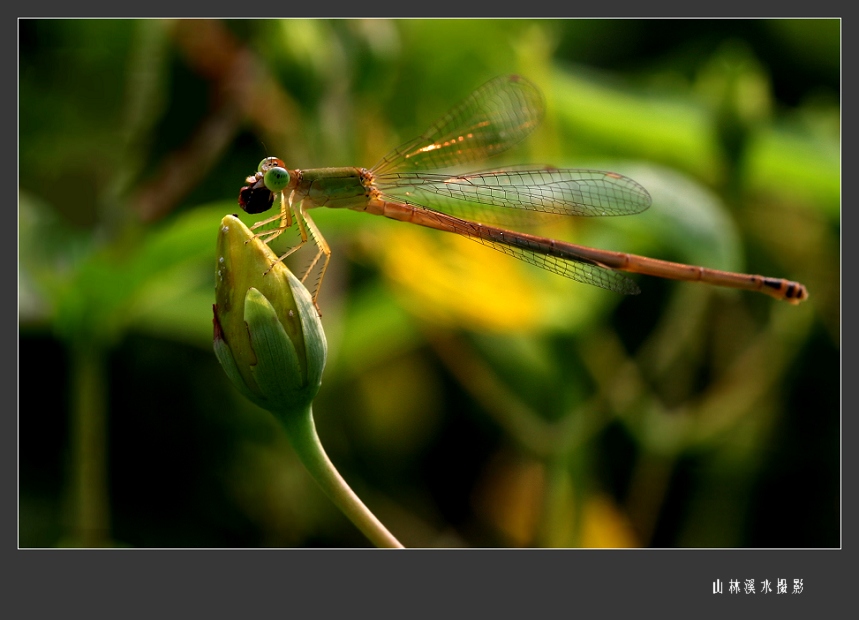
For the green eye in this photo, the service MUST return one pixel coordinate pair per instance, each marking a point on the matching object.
(276, 178)
(269, 162)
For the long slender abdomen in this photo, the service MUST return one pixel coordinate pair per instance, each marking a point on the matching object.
(590, 261)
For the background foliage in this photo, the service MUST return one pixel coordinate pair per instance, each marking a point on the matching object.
(469, 399)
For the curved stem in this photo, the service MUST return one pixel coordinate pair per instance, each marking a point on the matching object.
(301, 431)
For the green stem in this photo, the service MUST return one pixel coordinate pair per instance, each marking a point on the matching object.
(88, 482)
(302, 435)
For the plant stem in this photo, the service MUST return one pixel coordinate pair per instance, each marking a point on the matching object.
(90, 518)
(301, 431)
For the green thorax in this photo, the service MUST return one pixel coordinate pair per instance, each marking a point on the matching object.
(335, 188)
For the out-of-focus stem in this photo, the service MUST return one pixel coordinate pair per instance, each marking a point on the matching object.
(90, 514)
(301, 431)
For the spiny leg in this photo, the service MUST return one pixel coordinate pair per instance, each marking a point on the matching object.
(323, 251)
(306, 227)
(285, 217)
(274, 217)
(299, 216)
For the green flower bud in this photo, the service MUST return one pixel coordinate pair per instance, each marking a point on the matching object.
(268, 335)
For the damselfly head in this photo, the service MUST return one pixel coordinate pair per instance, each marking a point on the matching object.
(270, 162)
(258, 195)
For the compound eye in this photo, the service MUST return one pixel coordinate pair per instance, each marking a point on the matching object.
(270, 162)
(276, 178)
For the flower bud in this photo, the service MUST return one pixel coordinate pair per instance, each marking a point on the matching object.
(267, 333)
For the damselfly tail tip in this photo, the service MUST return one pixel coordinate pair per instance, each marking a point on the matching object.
(797, 294)
(791, 292)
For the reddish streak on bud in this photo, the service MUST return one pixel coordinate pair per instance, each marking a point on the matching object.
(219, 333)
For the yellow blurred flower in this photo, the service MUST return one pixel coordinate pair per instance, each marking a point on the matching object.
(452, 280)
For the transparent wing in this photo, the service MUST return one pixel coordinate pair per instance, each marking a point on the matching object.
(496, 116)
(560, 260)
(518, 190)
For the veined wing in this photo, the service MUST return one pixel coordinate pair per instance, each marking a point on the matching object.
(554, 256)
(496, 116)
(521, 191)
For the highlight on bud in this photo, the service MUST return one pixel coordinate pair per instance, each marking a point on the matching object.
(267, 333)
